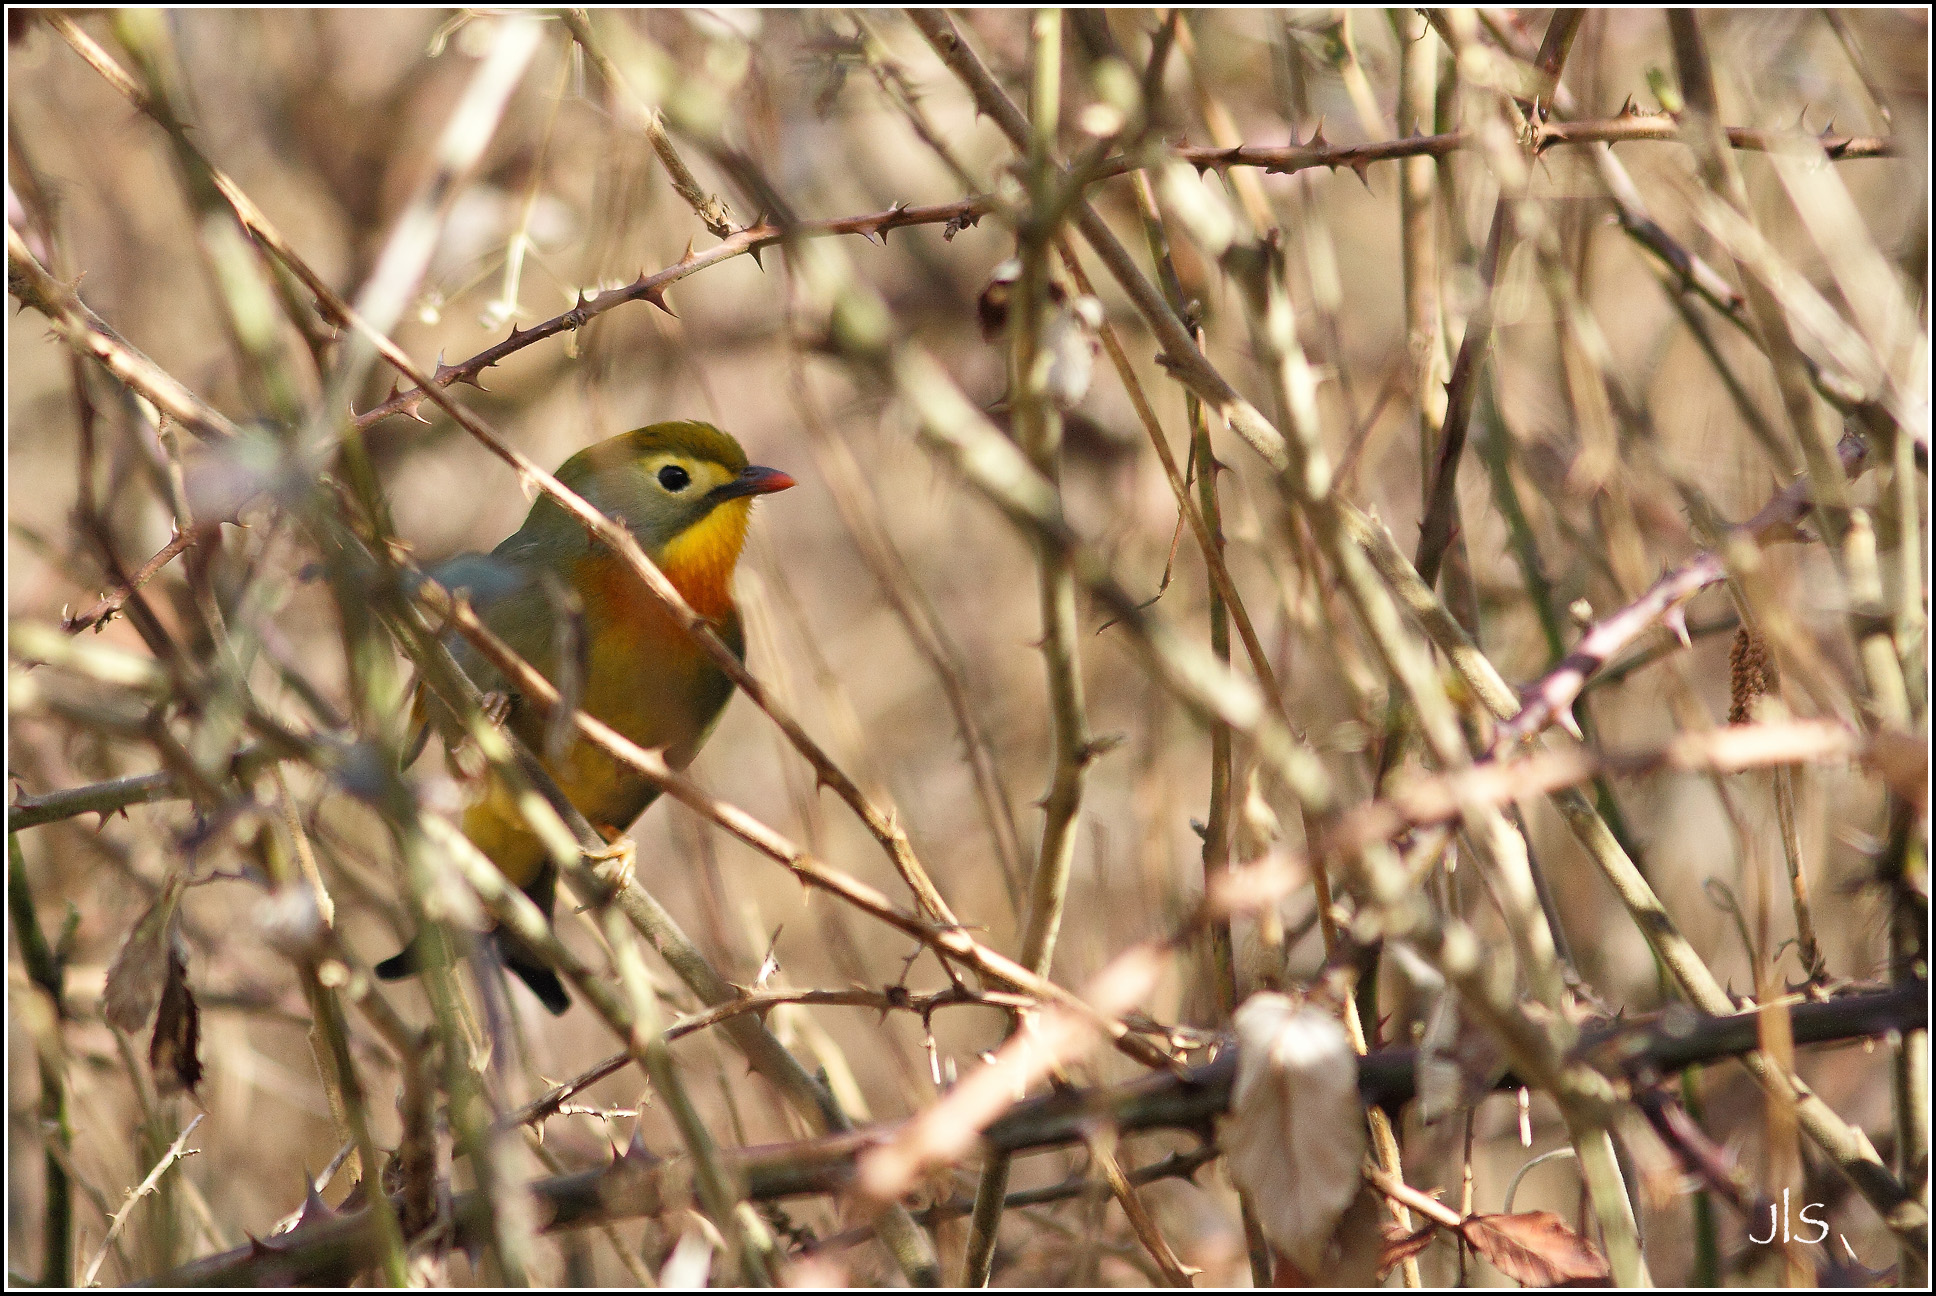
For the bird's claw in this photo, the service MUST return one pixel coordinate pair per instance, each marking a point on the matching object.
(621, 849)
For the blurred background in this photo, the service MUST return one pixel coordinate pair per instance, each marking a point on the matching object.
(327, 120)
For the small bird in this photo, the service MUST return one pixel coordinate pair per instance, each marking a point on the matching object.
(572, 608)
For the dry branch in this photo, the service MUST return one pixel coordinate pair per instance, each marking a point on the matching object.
(636, 1185)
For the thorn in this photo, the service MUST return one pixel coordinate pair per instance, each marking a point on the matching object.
(1801, 122)
(657, 297)
(754, 252)
(1362, 167)
(1317, 139)
(636, 1150)
(1564, 717)
(314, 1207)
(1675, 620)
(687, 254)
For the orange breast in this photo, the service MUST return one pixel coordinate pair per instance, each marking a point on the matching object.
(700, 560)
(643, 676)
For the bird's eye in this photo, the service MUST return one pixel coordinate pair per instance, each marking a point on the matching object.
(674, 478)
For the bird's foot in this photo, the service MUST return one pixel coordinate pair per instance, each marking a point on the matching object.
(496, 706)
(615, 861)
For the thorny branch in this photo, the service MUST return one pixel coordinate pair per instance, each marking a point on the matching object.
(637, 1184)
(1621, 1061)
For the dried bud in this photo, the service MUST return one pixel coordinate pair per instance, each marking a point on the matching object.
(1100, 121)
(1070, 342)
(289, 920)
(1199, 208)
(991, 308)
(1258, 828)
(1751, 675)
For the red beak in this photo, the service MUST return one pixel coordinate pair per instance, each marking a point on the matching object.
(754, 481)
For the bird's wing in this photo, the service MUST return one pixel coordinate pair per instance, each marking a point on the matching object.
(511, 600)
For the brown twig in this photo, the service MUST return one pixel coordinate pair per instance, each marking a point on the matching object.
(84, 331)
(1441, 508)
(889, 999)
(1319, 154)
(1443, 798)
(98, 616)
(953, 940)
(710, 210)
(652, 288)
(882, 825)
(1550, 698)
(1710, 1163)
(176, 1151)
(634, 1186)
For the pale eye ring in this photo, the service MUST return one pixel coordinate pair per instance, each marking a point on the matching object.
(674, 478)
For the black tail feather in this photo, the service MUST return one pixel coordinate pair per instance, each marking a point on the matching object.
(518, 958)
(404, 963)
(543, 981)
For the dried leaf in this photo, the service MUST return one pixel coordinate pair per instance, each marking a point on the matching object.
(1357, 1244)
(1535, 1248)
(1401, 1246)
(1296, 1132)
(175, 1049)
(140, 969)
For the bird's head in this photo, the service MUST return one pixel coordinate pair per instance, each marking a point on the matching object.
(665, 480)
(684, 490)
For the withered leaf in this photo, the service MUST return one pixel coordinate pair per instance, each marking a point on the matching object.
(175, 1050)
(1296, 1130)
(141, 966)
(1535, 1248)
(1401, 1246)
